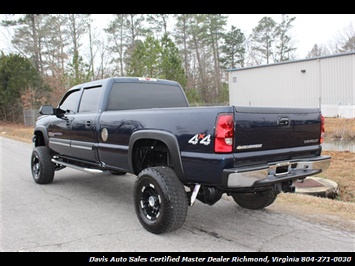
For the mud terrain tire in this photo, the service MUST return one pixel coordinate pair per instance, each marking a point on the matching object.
(42, 167)
(160, 200)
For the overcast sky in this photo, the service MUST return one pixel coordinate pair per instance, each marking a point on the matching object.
(309, 29)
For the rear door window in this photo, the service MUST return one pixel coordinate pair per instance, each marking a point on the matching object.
(90, 100)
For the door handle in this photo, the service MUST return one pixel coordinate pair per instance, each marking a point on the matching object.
(88, 124)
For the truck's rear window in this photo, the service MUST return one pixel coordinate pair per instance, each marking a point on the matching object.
(125, 96)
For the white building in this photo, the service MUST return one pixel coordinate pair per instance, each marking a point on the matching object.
(327, 82)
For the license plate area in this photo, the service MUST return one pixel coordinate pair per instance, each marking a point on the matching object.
(281, 169)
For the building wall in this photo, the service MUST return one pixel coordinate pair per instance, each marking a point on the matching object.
(328, 80)
(337, 80)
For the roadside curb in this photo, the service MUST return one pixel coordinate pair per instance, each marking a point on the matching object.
(317, 186)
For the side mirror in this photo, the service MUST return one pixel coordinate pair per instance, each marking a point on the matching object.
(46, 110)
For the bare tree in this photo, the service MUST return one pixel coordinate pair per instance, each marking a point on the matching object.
(97, 48)
(158, 24)
(317, 50)
(283, 42)
(215, 24)
(117, 41)
(182, 38)
(345, 41)
(28, 36)
(77, 27)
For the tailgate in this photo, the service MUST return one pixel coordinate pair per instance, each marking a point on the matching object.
(262, 128)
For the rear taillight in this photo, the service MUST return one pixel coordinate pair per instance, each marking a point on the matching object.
(322, 128)
(224, 133)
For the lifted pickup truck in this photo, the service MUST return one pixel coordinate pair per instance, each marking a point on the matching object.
(179, 153)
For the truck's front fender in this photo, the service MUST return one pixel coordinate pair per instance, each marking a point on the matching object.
(43, 131)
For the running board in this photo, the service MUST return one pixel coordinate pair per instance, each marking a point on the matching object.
(88, 170)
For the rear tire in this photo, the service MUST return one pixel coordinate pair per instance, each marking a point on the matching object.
(160, 200)
(41, 165)
(256, 200)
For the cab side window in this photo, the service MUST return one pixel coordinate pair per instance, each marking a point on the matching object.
(90, 100)
(70, 102)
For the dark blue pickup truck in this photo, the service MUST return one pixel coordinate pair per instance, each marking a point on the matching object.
(178, 153)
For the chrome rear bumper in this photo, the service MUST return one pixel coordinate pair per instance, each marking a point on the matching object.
(275, 172)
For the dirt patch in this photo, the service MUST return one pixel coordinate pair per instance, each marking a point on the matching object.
(16, 131)
(342, 171)
(339, 129)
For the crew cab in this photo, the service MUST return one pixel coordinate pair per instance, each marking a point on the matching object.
(177, 153)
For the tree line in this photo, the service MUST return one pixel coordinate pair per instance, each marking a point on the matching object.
(53, 52)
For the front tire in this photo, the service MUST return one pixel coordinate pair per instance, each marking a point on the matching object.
(41, 165)
(160, 200)
(256, 200)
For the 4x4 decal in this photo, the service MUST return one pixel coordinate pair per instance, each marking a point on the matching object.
(200, 139)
